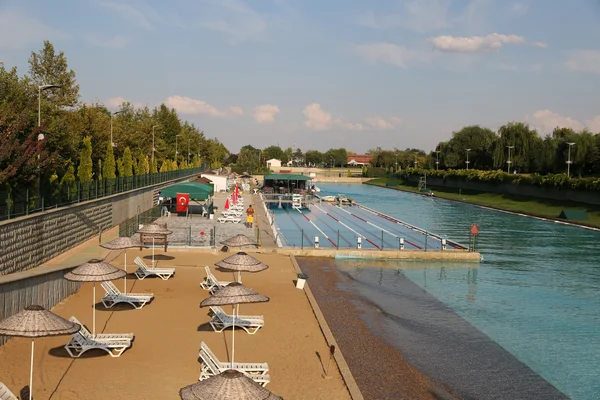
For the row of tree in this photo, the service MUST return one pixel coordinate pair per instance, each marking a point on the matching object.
(47, 131)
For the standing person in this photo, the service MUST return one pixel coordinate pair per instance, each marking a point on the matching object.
(249, 216)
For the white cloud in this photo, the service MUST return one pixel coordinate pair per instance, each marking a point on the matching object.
(235, 19)
(584, 61)
(545, 121)
(474, 44)
(416, 15)
(18, 31)
(593, 124)
(389, 53)
(117, 102)
(265, 113)
(541, 45)
(187, 105)
(115, 42)
(129, 13)
(320, 120)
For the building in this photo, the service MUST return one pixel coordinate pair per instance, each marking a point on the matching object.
(359, 159)
(273, 162)
(219, 181)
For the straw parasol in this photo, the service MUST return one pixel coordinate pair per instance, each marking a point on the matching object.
(95, 271)
(34, 322)
(123, 243)
(234, 294)
(239, 241)
(154, 229)
(228, 385)
(241, 262)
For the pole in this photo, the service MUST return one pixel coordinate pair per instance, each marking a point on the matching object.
(94, 312)
(125, 278)
(31, 372)
(233, 335)
(39, 106)
(188, 152)
(111, 129)
(381, 240)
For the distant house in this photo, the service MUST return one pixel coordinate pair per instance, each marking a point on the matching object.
(359, 159)
(219, 181)
(273, 162)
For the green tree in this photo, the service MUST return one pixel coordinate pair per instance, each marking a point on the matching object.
(147, 165)
(120, 167)
(109, 171)
(139, 167)
(314, 157)
(84, 171)
(273, 152)
(154, 166)
(99, 170)
(67, 182)
(165, 166)
(127, 162)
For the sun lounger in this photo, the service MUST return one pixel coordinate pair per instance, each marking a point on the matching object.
(114, 296)
(229, 219)
(80, 344)
(5, 393)
(211, 283)
(212, 366)
(144, 271)
(229, 213)
(221, 320)
(102, 337)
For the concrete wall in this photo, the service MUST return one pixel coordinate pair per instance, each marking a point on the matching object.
(521, 190)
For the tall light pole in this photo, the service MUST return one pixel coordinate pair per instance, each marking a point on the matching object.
(153, 148)
(437, 159)
(189, 152)
(41, 135)
(569, 162)
(509, 162)
(112, 114)
(176, 152)
(468, 150)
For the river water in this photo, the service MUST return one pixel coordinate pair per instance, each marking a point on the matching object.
(535, 296)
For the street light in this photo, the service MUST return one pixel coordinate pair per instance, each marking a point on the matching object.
(437, 159)
(153, 148)
(112, 114)
(41, 135)
(569, 162)
(509, 162)
(468, 150)
(176, 152)
(189, 154)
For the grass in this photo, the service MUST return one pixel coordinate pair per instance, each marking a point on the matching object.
(523, 204)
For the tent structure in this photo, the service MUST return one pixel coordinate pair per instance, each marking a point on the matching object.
(197, 191)
(289, 181)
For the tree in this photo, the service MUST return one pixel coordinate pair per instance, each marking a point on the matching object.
(120, 167)
(248, 159)
(166, 165)
(84, 171)
(127, 163)
(68, 181)
(314, 157)
(48, 68)
(139, 166)
(154, 166)
(109, 164)
(99, 171)
(273, 152)
(479, 140)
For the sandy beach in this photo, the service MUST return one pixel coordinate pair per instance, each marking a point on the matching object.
(168, 332)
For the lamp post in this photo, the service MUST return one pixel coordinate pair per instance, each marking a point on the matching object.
(153, 148)
(509, 162)
(41, 135)
(189, 154)
(331, 162)
(176, 152)
(437, 159)
(569, 162)
(467, 162)
(112, 114)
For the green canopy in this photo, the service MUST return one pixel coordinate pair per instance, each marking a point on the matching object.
(286, 177)
(197, 191)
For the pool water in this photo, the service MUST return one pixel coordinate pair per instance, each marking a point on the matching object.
(536, 294)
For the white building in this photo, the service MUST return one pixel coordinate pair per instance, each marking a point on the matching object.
(219, 181)
(273, 162)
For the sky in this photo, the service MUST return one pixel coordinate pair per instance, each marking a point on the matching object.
(325, 74)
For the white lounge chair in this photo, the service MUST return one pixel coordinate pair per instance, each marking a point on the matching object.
(221, 321)
(80, 344)
(211, 366)
(145, 271)
(231, 213)
(114, 296)
(6, 394)
(229, 219)
(102, 337)
(211, 283)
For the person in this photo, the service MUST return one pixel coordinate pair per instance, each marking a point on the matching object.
(160, 197)
(249, 216)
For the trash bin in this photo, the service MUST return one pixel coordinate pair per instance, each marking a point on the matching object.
(301, 281)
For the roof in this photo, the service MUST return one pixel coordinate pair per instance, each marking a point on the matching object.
(197, 191)
(202, 180)
(361, 158)
(213, 176)
(287, 177)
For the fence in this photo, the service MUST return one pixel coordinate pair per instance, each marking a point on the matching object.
(27, 202)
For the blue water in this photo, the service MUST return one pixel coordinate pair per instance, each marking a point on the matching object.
(536, 294)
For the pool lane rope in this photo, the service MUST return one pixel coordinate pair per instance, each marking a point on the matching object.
(362, 236)
(302, 232)
(319, 229)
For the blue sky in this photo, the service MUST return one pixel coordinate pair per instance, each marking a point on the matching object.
(336, 73)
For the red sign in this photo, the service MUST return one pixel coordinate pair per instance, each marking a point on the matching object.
(183, 199)
(474, 229)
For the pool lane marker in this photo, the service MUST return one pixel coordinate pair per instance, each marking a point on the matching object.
(378, 227)
(298, 226)
(319, 229)
(362, 236)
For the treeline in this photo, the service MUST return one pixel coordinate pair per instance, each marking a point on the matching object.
(61, 140)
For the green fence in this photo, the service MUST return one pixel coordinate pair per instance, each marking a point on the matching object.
(24, 202)
(131, 226)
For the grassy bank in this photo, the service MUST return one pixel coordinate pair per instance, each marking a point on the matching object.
(527, 205)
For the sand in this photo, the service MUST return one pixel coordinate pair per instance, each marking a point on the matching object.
(168, 332)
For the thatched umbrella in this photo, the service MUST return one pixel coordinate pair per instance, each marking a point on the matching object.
(241, 261)
(95, 271)
(228, 385)
(233, 294)
(34, 322)
(123, 243)
(154, 229)
(239, 241)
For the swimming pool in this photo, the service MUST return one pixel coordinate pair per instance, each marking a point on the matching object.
(536, 294)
